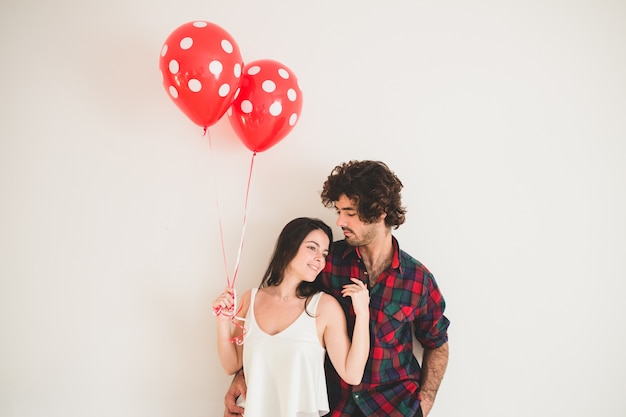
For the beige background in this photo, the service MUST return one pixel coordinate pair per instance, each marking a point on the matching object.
(505, 121)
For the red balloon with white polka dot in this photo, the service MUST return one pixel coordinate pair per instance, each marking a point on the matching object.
(268, 105)
(201, 67)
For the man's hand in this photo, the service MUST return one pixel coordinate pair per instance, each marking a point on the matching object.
(434, 366)
(426, 404)
(237, 387)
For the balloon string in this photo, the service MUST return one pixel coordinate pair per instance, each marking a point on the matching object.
(233, 311)
(229, 283)
(245, 217)
(236, 320)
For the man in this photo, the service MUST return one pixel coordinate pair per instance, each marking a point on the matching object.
(403, 295)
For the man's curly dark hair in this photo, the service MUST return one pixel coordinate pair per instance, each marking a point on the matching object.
(372, 186)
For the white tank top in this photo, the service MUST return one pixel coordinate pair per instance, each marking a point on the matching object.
(284, 372)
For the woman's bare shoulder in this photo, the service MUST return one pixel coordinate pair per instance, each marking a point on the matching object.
(246, 294)
(245, 302)
(328, 302)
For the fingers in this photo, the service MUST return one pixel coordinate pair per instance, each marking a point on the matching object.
(225, 301)
(358, 286)
(237, 412)
(232, 408)
(359, 294)
(357, 281)
(234, 396)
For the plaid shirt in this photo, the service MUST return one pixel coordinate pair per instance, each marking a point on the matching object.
(405, 295)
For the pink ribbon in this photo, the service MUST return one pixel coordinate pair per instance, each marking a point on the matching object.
(230, 281)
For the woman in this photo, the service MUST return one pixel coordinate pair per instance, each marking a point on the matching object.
(290, 325)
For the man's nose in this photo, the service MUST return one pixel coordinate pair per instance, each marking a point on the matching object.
(340, 221)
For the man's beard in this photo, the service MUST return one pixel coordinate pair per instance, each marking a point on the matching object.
(354, 240)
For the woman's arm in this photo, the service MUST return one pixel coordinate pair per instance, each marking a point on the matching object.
(230, 353)
(348, 358)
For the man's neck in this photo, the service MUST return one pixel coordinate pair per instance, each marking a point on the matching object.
(377, 255)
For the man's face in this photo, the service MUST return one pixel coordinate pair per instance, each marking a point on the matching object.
(355, 231)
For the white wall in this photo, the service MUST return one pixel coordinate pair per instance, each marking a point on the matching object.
(505, 121)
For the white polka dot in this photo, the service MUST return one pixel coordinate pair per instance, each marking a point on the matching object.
(254, 70)
(236, 94)
(173, 66)
(164, 50)
(292, 95)
(283, 73)
(237, 70)
(227, 46)
(293, 119)
(276, 108)
(215, 67)
(186, 43)
(224, 90)
(200, 24)
(268, 86)
(173, 91)
(194, 85)
(246, 106)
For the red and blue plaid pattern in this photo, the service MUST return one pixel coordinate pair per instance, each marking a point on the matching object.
(405, 296)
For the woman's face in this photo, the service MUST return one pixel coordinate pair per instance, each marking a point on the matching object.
(311, 256)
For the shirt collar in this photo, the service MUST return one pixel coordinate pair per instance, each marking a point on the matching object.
(395, 261)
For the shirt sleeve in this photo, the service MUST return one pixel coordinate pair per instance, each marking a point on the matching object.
(430, 324)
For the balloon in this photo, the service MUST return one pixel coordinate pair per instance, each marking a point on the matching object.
(201, 67)
(267, 106)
